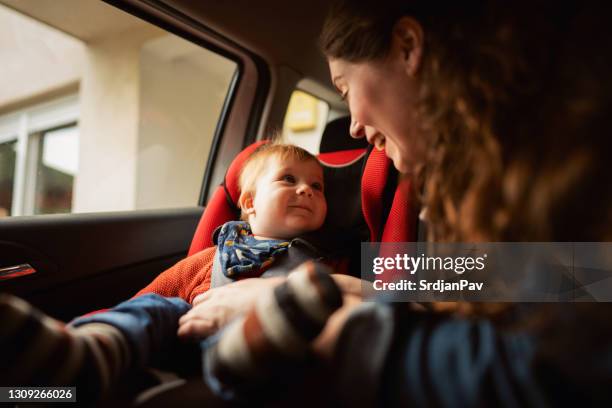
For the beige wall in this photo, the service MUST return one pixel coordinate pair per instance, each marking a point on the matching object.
(110, 111)
(34, 58)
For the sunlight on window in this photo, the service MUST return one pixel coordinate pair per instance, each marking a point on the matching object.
(61, 150)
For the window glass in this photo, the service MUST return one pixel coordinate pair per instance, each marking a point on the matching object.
(7, 176)
(103, 111)
(56, 167)
(305, 121)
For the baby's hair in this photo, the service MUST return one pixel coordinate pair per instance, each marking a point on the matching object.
(256, 164)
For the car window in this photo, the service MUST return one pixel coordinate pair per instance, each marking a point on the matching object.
(305, 121)
(104, 112)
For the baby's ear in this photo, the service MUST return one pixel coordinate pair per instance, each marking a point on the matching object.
(245, 202)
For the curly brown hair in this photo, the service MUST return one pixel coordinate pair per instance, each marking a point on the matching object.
(515, 97)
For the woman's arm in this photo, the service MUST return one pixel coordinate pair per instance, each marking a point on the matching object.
(390, 355)
(215, 308)
(349, 285)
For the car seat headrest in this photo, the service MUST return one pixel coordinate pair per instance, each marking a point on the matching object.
(343, 192)
(336, 137)
(343, 158)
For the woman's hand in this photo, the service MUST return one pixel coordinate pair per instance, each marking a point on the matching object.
(325, 343)
(353, 292)
(215, 308)
(350, 285)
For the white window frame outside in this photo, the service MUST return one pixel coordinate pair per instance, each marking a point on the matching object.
(24, 126)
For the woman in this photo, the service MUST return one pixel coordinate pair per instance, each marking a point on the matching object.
(501, 111)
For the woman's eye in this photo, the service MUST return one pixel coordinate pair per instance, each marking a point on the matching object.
(317, 186)
(288, 178)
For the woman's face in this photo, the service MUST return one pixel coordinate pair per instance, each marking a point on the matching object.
(382, 98)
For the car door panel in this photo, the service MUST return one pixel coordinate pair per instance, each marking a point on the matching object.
(84, 262)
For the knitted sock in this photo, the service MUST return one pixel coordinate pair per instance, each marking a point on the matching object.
(275, 334)
(37, 350)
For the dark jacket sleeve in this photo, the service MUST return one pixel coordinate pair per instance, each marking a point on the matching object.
(390, 356)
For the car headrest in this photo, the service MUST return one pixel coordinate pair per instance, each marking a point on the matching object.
(343, 159)
(336, 137)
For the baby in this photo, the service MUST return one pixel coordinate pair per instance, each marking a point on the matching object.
(282, 197)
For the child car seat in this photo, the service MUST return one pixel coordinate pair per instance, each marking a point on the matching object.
(362, 189)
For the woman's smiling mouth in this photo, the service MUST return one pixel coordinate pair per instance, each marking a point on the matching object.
(300, 207)
(378, 140)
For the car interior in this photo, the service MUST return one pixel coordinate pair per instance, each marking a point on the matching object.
(71, 264)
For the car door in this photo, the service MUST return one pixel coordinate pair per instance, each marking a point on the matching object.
(118, 121)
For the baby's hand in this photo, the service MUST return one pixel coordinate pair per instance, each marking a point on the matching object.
(217, 307)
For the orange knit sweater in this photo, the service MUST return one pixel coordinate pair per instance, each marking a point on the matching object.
(192, 276)
(187, 279)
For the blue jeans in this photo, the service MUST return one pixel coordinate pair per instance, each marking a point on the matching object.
(148, 322)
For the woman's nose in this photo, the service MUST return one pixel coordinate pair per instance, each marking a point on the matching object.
(304, 189)
(357, 130)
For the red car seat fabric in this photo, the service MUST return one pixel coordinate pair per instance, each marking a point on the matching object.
(401, 222)
(373, 181)
(222, 207)
(342, 158)
(389, 207)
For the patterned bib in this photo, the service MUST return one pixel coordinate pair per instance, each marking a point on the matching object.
(243, 256)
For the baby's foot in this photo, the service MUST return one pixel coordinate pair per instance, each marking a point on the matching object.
(276, 333)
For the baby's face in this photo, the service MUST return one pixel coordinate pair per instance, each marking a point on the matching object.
(289, 199)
